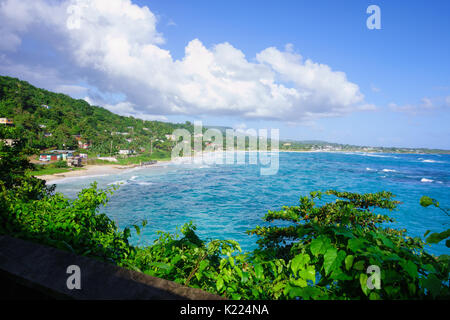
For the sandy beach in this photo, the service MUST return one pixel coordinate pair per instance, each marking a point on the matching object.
(94, 170)
(89, 170)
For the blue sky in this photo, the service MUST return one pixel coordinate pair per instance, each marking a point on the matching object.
(401, 71)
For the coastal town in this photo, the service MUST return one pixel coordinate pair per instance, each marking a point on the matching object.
(131, 148)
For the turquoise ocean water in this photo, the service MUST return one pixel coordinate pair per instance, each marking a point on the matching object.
(226, 200)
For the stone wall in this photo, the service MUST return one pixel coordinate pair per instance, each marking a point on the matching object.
(33, 271)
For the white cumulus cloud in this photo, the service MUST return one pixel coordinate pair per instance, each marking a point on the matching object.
(116, 47)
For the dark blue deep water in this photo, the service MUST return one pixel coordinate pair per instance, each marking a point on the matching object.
(226, 200)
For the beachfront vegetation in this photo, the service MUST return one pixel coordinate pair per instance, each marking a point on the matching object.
(52, 168)
(320, 249)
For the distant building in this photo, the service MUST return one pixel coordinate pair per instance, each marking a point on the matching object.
(170, 137)
(42, 126)
(47, 134)
(45, 106)
(9, 142)
(83, 145)
(125, 152)
(74, 161)
(286, 144)
(55, 155)
(6, 122)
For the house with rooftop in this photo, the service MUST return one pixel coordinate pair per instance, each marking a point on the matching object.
(6, 122)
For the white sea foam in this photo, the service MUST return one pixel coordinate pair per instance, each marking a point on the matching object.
(426, 180)
(370, 169)
(69, 179)
(431, 161)
(143, 183)
(120, 182)
(378, 155)
(389, 170)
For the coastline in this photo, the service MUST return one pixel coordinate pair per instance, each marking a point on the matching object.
(94, 170)
(111, 169)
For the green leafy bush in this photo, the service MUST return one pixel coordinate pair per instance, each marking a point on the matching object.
(341, 239)
(321, 250)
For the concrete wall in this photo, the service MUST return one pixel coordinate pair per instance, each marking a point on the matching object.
(33, 271)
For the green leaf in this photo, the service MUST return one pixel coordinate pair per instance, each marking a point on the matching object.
(374, 296)
(138, 230)
(363, 282)
(410, 267)
(308, 274)
(161, 265)
(244, 277)
(259, 271)
(355, 244)
(426, 201)
(219, 284)
(349, 261)
(299, 282)
(329, 258)
(433, 285)
(359, 265)
(437, 237)
(320, 245)
(338, 274)
(299, 262)
(333, 259)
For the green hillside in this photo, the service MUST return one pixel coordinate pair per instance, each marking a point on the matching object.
(53, 120)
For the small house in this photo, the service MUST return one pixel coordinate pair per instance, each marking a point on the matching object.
(125, 152)
(83, 145)
(9, 142)
(56, 155)
(74, 161)
(6, 121)
(170, 137)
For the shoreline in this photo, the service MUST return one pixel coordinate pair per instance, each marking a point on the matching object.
(95, 170)
(111, 169)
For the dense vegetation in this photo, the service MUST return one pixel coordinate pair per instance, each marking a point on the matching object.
(66, 117)
(320, 250)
